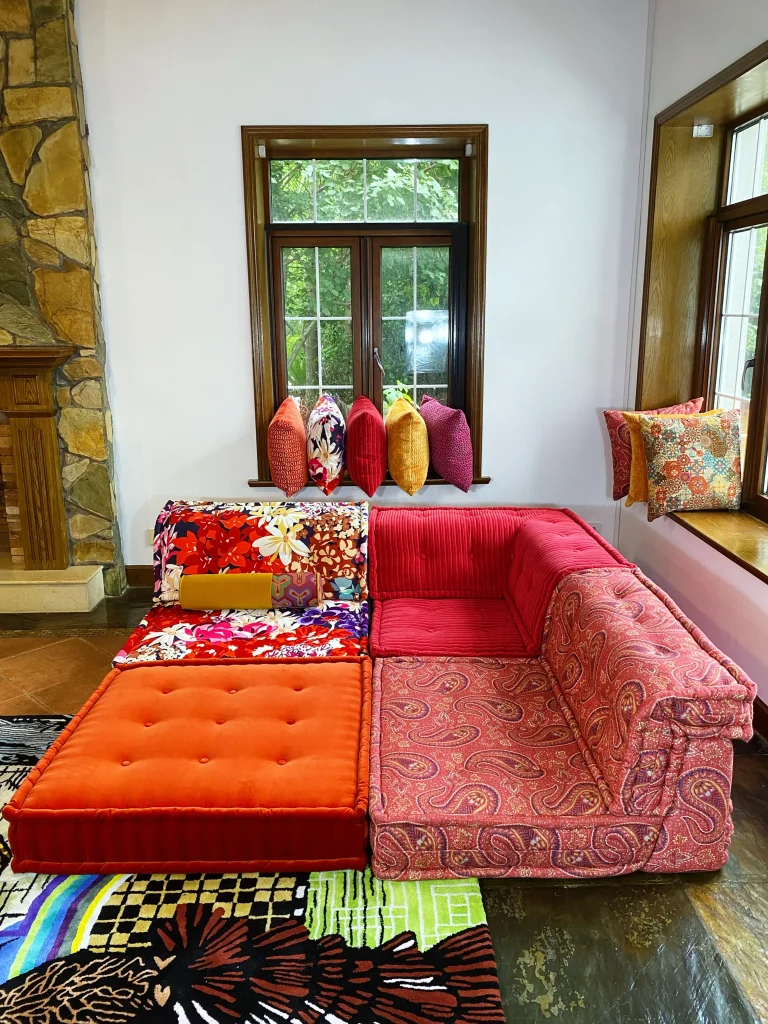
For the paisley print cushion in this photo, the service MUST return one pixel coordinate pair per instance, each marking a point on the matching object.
(694, 462)
(636, 680)
(323, 537)
(475, 770)
(171, 634)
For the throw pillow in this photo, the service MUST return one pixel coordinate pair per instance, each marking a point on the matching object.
(285, 590)
(450, 443)
(325, 444)
(407, 445)
(621, 449)
(638, 471)
(694, 462)
(287, 448)
(366, 445)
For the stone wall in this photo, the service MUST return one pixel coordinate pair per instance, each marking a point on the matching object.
(49, 290)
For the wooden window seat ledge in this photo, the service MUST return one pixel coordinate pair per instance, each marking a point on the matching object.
(737, 535)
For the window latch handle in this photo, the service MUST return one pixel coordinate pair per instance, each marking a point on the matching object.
(377, 357)
(748, 365)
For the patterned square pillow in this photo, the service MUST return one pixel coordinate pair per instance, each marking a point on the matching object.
(621, 451)
(407, 446)
(694, 462)
(450, 443)
(325, 444)
(287, 448)
(638, 471)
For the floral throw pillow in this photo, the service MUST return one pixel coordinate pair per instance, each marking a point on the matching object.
(325, 444)
(694, 462)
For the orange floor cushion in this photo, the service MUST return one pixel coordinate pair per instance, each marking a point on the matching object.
(205, 767)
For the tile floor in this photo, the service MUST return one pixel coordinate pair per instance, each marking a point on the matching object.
(651, 949)
(43, 674)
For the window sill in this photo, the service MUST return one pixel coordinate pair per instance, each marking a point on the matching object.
(737, 535)
(346, 482)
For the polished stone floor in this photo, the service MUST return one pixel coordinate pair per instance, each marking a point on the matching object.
(651, 949)
(661, 949)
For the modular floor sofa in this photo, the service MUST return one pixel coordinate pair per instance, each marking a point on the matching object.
(536, 707)
(539, 706)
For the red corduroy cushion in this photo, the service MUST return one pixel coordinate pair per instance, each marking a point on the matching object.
(450, 442)
(443, 552)
(366, 445)
(545, 551)
(287, 448)
(433, 627)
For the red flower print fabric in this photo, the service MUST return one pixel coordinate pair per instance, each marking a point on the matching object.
(325, 444)
(338, 629)
(327, 538)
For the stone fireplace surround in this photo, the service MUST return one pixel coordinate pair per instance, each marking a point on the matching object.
(52, 352)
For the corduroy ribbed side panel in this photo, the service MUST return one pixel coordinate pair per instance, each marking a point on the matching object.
(439, 627)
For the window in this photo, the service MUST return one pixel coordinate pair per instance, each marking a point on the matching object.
(367, 266)
(736, 326)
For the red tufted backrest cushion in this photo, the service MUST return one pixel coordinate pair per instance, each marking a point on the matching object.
(443, 552)
(546, 549)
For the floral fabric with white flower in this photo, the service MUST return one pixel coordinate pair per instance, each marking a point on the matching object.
(326, 433)
(327, 538)
(338, 629)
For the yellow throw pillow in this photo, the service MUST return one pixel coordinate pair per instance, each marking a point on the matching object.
(638, 472)
(407, 446)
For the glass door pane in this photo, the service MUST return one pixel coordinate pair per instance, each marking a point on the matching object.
(415, 321)
(745, 257)
(317, 315)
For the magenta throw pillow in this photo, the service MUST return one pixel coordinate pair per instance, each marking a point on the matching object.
(450, 442)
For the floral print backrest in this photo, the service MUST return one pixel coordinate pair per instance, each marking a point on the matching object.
(637, 680)
(327, 538)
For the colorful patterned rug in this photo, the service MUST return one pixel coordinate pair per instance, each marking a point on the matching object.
(340, 947)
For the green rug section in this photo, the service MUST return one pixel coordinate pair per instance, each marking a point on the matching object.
(368, 912)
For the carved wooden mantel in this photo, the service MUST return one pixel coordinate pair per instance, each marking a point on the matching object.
(26, 397)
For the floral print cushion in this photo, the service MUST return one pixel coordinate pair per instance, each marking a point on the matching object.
(327, 538)
(339, 629)
(694, 462)
(325, 444)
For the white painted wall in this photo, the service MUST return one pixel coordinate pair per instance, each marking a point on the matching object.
(168, 85)
(693, 40)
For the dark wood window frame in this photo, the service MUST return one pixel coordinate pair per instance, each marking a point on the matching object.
(729, 218)
(468, 246)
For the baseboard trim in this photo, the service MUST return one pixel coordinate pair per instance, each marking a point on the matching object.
(140, 575)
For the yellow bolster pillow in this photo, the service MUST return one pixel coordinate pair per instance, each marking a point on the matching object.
(226, 590)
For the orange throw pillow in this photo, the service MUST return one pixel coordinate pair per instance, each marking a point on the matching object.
(287, 448)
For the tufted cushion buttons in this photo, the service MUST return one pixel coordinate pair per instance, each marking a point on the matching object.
(204, 760)
(219, 721)
(282, 761)
(148, 725)
(166, 691)
(290, 723)
(233, 691)
(125, 764)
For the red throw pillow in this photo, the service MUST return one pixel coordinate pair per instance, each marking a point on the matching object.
(450, 442)
(621, 446)
(366, 445)
(287, 448)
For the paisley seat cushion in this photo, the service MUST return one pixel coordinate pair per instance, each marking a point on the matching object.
(475, 771)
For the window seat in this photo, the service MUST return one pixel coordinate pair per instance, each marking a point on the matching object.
(738, 535)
